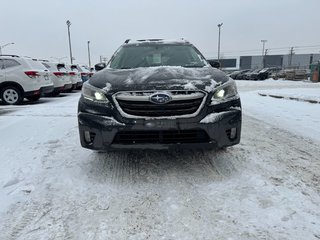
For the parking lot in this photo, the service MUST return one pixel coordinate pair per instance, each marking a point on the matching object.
(263, 188)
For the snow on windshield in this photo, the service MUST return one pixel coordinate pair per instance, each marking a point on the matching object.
(134, 56)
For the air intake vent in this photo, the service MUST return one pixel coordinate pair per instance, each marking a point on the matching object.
(161, 137)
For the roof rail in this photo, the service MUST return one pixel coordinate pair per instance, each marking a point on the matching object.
(183, 39)
(150, 40)
(8, 55)
(127, 41)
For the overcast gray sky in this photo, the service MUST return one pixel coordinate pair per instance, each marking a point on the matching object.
(38, 28)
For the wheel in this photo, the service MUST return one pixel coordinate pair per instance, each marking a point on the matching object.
(11, 95)
(33, 98)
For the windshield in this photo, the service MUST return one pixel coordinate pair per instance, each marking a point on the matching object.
(156, 55)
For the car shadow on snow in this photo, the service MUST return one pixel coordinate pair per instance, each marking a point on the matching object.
(4, 111)
(42, 100)
(148, 166)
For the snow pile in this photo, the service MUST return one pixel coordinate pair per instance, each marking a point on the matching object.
(265, 82)
(275, 83)
(302, 94)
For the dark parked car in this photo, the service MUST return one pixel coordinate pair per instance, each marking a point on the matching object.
(234, 74)
(159, 94)
(267, 72)
(238, 74)
(252, 75)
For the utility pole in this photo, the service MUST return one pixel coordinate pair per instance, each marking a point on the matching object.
(290, 56)
(69, 24)
(89, 54)
(219, 26)
(263, 53)
(264, 57)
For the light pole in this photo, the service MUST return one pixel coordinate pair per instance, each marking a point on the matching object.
(69, 24)
(89, 54)
(263, 53)
(3, 46)
(219, 26)
(58, 59)
(290, 56)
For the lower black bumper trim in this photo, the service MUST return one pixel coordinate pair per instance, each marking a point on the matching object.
(103, 132)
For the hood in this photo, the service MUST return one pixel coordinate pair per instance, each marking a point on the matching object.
(158, 78)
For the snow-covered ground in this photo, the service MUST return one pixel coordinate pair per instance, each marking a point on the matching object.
(291, 111)
(267, 187)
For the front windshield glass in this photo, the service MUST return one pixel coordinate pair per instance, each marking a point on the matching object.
(133, 56)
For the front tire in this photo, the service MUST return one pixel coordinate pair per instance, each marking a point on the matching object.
(11, 95)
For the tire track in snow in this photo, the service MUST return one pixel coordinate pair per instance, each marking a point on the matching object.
(298, 157)
(132, 168)
(25, 223)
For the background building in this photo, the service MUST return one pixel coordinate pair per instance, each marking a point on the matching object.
(297, 61)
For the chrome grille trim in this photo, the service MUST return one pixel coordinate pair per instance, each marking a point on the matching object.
(144, 96)
(131, 97)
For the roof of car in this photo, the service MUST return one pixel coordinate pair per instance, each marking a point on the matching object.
(155, 41)
(8, 55)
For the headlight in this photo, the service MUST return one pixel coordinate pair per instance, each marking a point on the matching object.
(225, 92)
(94, 94)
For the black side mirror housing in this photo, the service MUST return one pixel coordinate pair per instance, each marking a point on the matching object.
(214, 64)
(99, 66)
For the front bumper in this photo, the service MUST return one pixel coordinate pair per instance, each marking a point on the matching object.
(99, 132)
(41, 91)
(67, 87)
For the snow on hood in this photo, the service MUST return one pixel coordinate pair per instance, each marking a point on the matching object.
(108, 87)
(160, 78)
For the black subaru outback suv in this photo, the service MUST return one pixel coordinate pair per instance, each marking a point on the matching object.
(159, 94)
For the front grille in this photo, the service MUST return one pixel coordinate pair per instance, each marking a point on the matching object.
(161, 137)
(138, 104)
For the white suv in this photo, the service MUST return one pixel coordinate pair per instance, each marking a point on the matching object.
(75, 76)
(59, 76)
(22, 77)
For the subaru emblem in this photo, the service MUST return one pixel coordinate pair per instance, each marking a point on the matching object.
(160, 98)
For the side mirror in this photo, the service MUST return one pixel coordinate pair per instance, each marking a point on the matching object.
(99, 66)
(214, 64)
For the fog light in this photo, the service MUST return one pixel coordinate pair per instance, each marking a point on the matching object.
(87, 136)
(233, 133)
